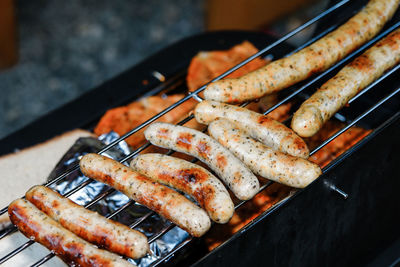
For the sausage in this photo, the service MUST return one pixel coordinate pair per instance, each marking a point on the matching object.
(157, 197)
(36, 225)
(232, 171)
(88, 224)
(315, 58)
(262, 160)
(189, 178)
(266, 130)
(243, 183)
(354, 77)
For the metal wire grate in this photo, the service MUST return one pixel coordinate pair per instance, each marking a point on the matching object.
(195, 96)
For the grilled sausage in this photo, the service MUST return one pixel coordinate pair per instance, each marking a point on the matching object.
(157, 197)
(232, 171)
(354, 77)
(315, 58)
(262, 160)
(89, 225)
(36, 225)
(189, 178)
(266, 130)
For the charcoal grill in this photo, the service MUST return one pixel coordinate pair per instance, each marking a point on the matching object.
(345, 217)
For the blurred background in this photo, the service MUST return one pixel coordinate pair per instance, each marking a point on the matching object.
(53, 51)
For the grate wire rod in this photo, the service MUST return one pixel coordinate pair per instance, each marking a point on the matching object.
(194, 95)
(339, 132)
(336, 66)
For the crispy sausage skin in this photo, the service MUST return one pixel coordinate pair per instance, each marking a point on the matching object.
(88, 224)
(36, 225)
(189, 178)
(315, 58)
(354, 77)
(157, 197)
(266, 130)
(232, 171)
(262, 160)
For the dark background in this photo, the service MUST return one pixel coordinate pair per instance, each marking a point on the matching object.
(69, 47)
(66, 48)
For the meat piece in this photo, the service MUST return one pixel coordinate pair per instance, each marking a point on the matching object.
(88, 224)
(315, 58)
(206, 66)
(157, 197)
(268, 131)
(189, 178)
(123, 119)
(231, 170)
(262, 160)
(336, 92)
(37, 226)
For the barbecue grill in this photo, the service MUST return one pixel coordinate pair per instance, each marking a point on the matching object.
(342, 218)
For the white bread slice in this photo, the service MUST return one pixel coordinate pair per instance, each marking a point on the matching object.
(31, 166)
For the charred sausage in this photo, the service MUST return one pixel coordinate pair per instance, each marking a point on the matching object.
(232, 171)
(36, 225)
(88, 224)
(189, 178)
(157, 197)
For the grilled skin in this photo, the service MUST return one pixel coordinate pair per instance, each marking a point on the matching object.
(88, 224)
(268, 131)
(232, 171)
(36, 225)
(262, 160)
(354, 77)
(315, 58)
(189, 178)
(157, 197)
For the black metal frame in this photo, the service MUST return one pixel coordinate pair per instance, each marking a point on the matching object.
(317, 227)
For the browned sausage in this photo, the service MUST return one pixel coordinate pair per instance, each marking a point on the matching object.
(88, 224)
(262, 160)
(336, 92)
(163, 200)
(268, 131)
(232, 171)
(315, 58)
(189, 178)
(36, 225)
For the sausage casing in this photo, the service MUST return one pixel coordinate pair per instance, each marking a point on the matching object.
(157, 197)
(274, 165)
(315, 58)
(232, 171)
(354, 77)
(189, 178)
(88, 224)
(266, 130)
(36, 225)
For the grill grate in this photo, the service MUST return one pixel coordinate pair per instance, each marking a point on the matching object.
(194, 95)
